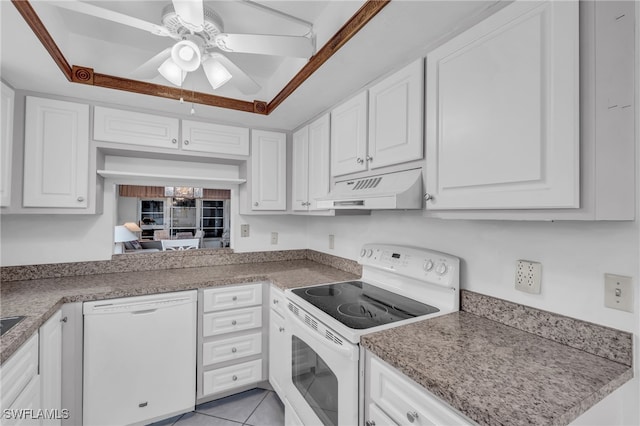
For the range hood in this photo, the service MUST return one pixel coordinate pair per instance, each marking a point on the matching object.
(397, 190)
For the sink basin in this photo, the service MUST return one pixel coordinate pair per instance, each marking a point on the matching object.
(7, 322)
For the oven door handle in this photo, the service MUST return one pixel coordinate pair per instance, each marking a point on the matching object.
(348, 349)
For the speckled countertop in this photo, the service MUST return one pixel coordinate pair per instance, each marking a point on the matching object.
(38, 299)
(496, 374)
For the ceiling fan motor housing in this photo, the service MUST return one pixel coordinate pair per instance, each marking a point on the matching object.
(213, 25)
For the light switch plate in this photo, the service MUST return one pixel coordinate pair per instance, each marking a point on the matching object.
(332, 240)
(528, 276)
(618, 292)
(244, 230)
(274, 238)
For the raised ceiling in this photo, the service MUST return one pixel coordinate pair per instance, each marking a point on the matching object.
(400, 32)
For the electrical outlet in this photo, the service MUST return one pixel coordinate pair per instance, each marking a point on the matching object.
(244, 230)
(528, 276)
(274, 238)
(331, 241)
(618, 292)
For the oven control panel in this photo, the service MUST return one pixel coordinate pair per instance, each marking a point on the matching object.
(418, 263)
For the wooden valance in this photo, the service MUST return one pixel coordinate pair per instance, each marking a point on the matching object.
(140, 191)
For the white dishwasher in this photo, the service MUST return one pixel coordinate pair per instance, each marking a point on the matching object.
(139, 358)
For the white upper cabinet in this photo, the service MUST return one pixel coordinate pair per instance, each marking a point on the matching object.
(56, 152)
(6, 143)
(214, 138)
(114, 125)
(503, 112)
(395, 117)
(300, 170)
(268, 170)
(311, 164)
(349, 136)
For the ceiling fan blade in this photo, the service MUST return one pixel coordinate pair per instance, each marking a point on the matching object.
(276, 45)
(150, 68)
(190, 13)
(110, 15)
(240, 79)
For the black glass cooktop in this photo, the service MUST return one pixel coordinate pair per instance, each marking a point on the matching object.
(359, 305)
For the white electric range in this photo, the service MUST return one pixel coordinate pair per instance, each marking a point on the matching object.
(399, 285)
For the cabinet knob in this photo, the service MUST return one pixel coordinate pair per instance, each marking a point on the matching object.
(412, 416)
(428, 197)
(359, 160)
(234, 378)
(174, 140)
(370, 423)
(80, 199)
(256, 204)
(234, 322)
(275, 301)
(186, 142)
(234, 350)
(369, 158)
(64, 319)
(281, 329)
(234, 298)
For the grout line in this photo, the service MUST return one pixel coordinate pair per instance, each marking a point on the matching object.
(254, 410)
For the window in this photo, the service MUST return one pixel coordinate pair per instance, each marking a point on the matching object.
(184, 215)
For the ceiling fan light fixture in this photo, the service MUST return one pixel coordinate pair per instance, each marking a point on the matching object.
(216, 73)
(186, 55)
(172, 72)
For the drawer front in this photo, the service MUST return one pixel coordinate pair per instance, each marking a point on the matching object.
(232, 348)
(18, 371)
(277, 300)
(216, 323)
(378, 417)
(216, 299)
(29, 399)
(406, 402)
(227, 378)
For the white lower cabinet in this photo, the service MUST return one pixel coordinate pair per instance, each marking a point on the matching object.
(51, 368)
(17, 373)
(392, 398)
(231, 340)
(278, 365)
(7, 97)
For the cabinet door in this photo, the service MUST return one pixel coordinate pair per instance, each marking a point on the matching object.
(278, 368)
(6, 143)
(214, 138)
(51, 366)
(395, 117)
(269, 170)
(300, 170)
(29, 399)
(319, 160)
(349, 136)
(114, 125)
(56, 154)
(503, 112)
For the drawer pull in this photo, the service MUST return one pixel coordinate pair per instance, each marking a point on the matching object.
(370, 423)
(64, 319)
(143, 404)
(281, 329)
(234, 298)
(234, 350)
(275, 301)
(412, 416)
(234, 322)
(234, 378)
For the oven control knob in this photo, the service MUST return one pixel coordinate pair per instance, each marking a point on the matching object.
(369, 253)
(363, 252)
(441, 269)
(428, 265)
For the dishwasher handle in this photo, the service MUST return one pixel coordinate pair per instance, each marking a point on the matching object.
(132, 306)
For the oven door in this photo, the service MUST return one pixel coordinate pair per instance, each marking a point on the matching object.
(322, 384)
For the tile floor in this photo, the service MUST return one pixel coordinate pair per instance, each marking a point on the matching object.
(255, 407)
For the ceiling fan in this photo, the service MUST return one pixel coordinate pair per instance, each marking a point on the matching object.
(201, 41)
